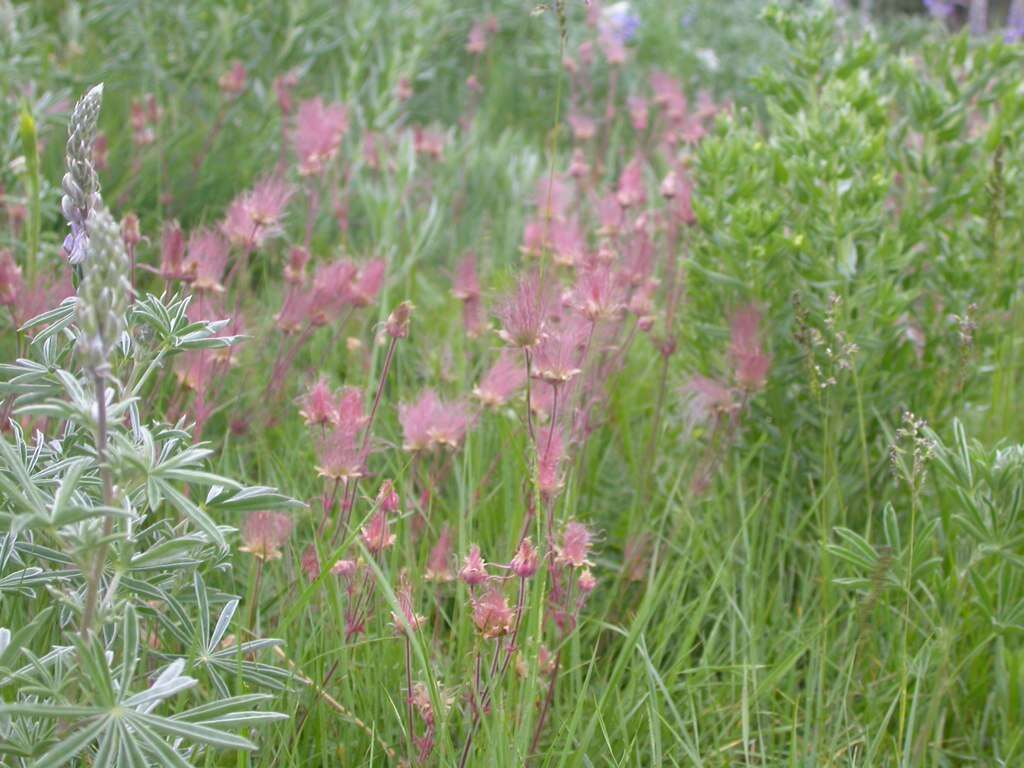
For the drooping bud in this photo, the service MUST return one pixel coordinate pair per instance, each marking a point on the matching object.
(103, 293)
(81, 185)
(397, 325)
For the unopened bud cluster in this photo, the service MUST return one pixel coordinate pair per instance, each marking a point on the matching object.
(80, 183)
(103, 293)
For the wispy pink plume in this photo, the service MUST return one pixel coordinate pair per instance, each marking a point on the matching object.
(492, 614)
(439, 561)
(368, 282)
(317, 134)
(524, 312)
(503, 380)
(550, 451)
(317, 406)
(264, 533)
(631, 190)
(430, 422)
(207, 260)
(750, 362)
(574, 548)
(255, 217)
(333, 287)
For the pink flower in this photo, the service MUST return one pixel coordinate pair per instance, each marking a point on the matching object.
(668, 95)
(568, 243)
(333, 286)
(377, 534)
(583, 126)
(318, 408)
(254, 217)
(397, 325)
(340, 455)
(610, 214)
(264, 533)
(232, 82)
(428, 142)
(586, 581)
(408, 620)
(597, 294)
(345, 568)
(284, 86)
(172, 252)
(387, 498)
(11, 284)
(430, 422)
(440, 555)
(492, 615)
(526, 561)
(524, 312)
(558, 356)
(317, 134)
(574, 548)
(638, 113)
(466, 284)
(369, 281)
(750, 362)
(710, 398)
(550, 449)
(506, 377)
(479, 33)
(310, 563)
(631, 184)
(474, 569)
(207, 259)
(295, 269)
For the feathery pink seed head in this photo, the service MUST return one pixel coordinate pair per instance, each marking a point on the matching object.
(387, 498)
(264, 533)
(369, 281)
(474, 569)
(492, 615)
(524, 312)
(574, 548)
(506, 377)
(377, 534)
(438, 568)
(466, 284)
(207, 260)
(11, 284)
(409, 620)
(318, 407)
(750, 362)
(316, 137)
(525, 561)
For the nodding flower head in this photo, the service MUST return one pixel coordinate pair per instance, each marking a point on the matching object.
(377, 534)
(172, 252)
(506, 377)
(750, 362)
(316, 138)
(408, 620)
(397, 325)
(466, 285)
(11, 283)
(254, 217)
(387, 498)
(264, 533)
(559, 355)
(524, 312)
(492, 615)
(341, 455)
(318, 407)
(438, 562)
(525, 561)
(550, 450)
(631, 191)
(232, 82)
(368, 282)
(574, 548)
(474, 569)
(430, 423)
(207, 259)
(480, 34)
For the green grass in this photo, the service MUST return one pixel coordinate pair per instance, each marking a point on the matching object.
(828, 600)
